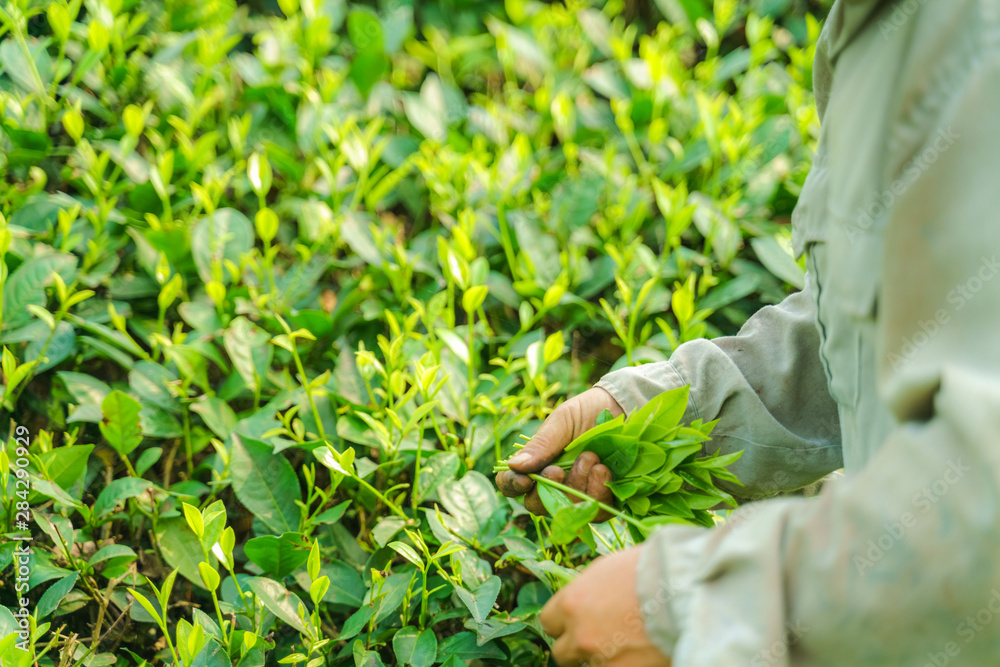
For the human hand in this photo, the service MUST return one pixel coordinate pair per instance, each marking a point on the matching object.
(566, 423)
(596, 621)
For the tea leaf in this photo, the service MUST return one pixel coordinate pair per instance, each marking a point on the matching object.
(120, 426)
(265, 483)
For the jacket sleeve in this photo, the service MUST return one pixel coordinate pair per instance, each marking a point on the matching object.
(767, 388)
(897, 563)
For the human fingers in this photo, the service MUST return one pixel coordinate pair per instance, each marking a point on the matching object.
(597, 488)
(533, 501)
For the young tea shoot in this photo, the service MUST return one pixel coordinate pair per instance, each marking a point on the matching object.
(660, 473)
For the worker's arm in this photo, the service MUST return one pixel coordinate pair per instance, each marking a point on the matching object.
(767, 388)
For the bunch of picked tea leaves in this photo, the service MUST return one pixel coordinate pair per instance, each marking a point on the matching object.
(659, 475)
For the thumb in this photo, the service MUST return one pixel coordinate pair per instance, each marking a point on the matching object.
(548, 443)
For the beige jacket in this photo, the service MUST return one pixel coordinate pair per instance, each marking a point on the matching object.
(887, 364)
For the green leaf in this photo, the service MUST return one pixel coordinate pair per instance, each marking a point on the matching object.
(698, 501)
(367, 68)
(180, 548)
(369, 659)
(194, 520)
(117, 492)
(277, 556)
(279, 601)
(260, 175)
(346, 586)
(111, 551)
(639, 505)
(248, 350)
(494, 629)
(265, 483)
(27, 284)
(438, 469)
(209, 576)
(463, 646)
(407, 552)
(157, 423)
(671, 504)
(623, 489)
(218, 416)
(597, 28)
(703, 484)
(553, 347)
(734, 290)
(147, 458)
(660, 414)
(618, 453)
(428, 121)
(608, 427)
(471, 500)
(482, 600)
(726, 476)
(54, 595)
(66, 465)
(353, 429)
(340, 462)
(604, 417)
(190, 362)
(150, 381)
(121, 427)
(146, 604)
(778, 260)
(226, 234)
(651, 459)
(356, 622)
(167, 588)
(569, 521)
(356, 232)
(333, 514)
(47, 488)
(60, 346)
(84, 388)
(418, 415)
(392, 595)
(605, 80)
(31, 71)
(532, 597)
(455, 344)
(212, 654)
(669, 482)
(719, 462)
(553, 499)
(365, 30)
(685, 11)
(414, 647)
(677, 455)
(474, 297)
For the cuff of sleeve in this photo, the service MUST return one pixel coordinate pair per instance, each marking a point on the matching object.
(668, 564)
(635, 386)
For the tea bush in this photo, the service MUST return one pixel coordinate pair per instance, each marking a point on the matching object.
(282, 282)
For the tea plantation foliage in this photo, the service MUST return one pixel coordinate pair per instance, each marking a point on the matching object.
(283, 281)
